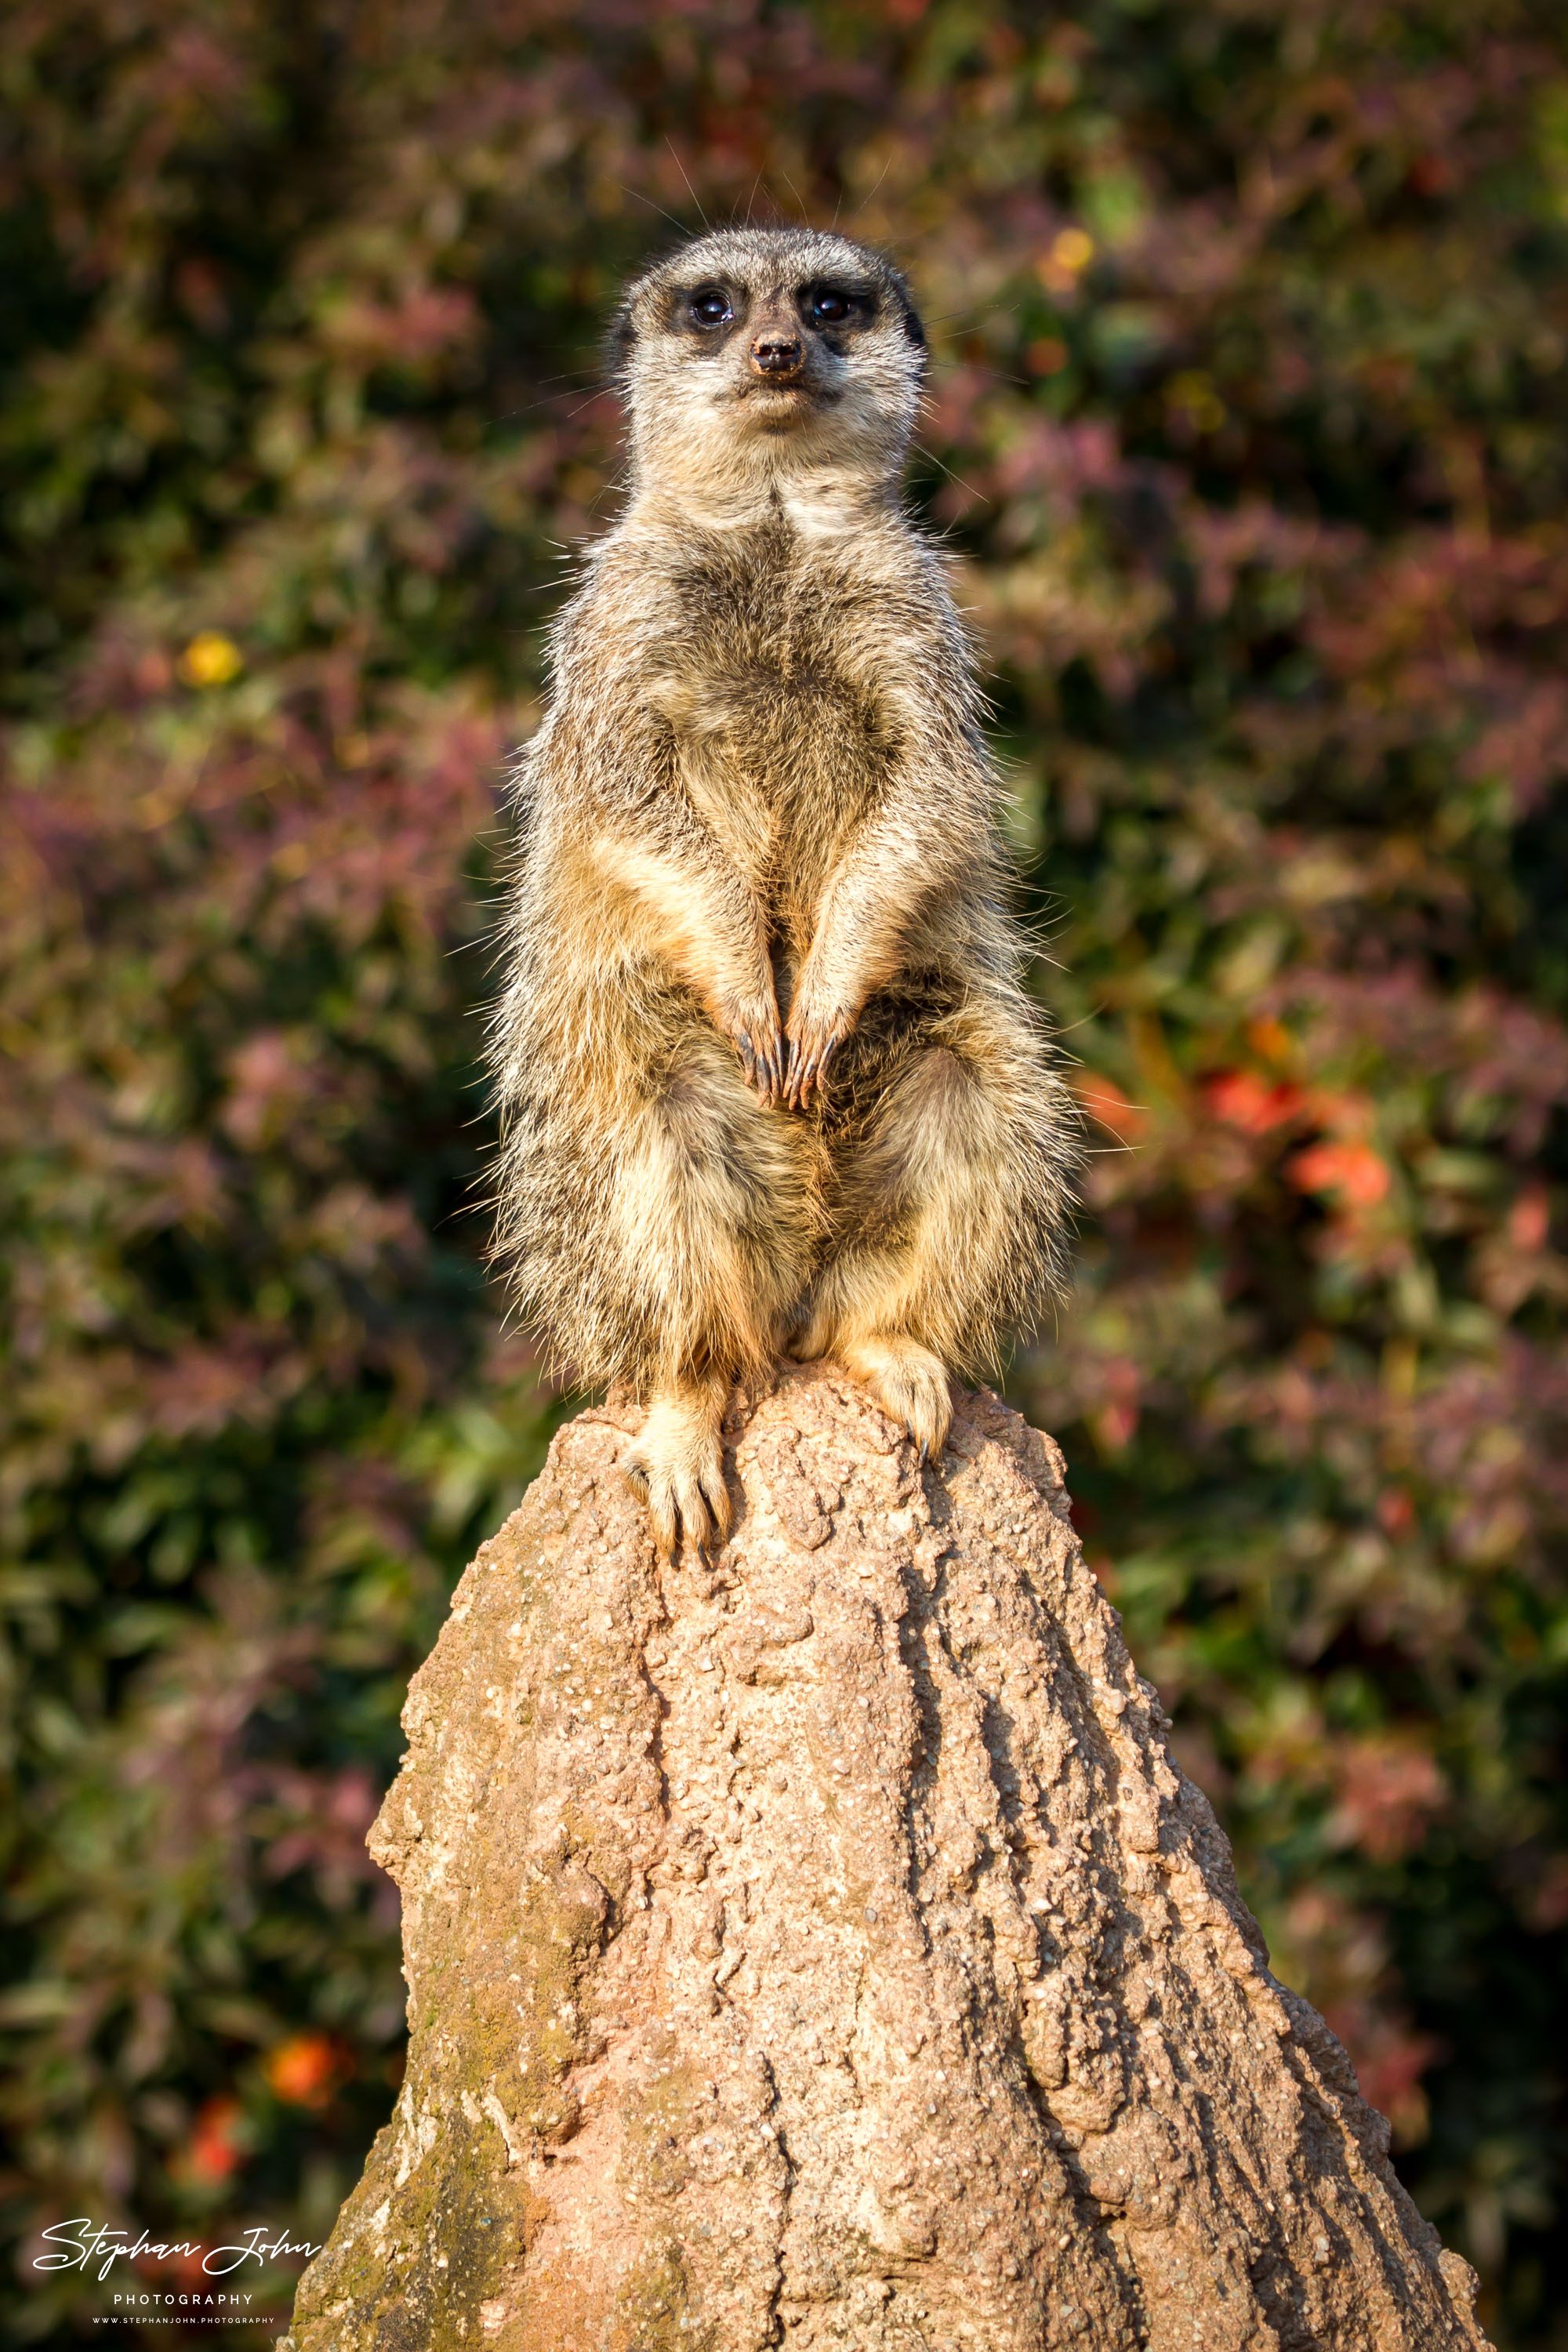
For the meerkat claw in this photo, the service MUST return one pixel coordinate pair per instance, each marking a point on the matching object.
(703, 1508)
(658, 1503)
(807, 1066)
(691, 1516)
(716, 1496)
(758, 1047)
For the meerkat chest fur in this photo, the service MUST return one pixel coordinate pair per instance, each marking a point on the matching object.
(782, 690)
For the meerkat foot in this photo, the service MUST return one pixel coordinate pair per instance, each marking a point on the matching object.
(908, 1381)
(677, 1469)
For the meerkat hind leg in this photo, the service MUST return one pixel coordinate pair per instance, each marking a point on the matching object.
(811, 1335)
(907, 1379)
(708, 1239)
(946, 1201)
(677, 1469)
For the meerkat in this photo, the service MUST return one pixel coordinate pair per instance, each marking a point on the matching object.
(771, 1081)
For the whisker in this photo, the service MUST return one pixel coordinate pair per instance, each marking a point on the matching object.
(689, 189)
(926, 451)
(871, 193)
(800, 201)
(641, 199)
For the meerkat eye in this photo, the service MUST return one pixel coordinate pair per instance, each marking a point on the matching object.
(829, 307)
(711, 307)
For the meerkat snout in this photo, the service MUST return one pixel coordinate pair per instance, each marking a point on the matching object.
(777, 352)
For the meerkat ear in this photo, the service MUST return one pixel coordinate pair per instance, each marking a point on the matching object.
(620, 337)
(913, 326)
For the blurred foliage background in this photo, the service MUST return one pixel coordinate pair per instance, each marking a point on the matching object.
(1247, 431)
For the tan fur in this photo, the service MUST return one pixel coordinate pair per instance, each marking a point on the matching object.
(769, 1075)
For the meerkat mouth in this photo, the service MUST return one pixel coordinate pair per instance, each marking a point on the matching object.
(785, 397)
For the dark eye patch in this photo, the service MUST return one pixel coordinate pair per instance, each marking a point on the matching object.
(829, 304)
(709, 307)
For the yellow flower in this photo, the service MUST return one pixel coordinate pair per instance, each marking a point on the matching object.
(211, 659)
(1068, 256)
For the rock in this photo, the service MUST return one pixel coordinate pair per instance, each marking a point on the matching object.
(822, 1949)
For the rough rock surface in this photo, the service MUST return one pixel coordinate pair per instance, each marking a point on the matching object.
(821, 1948)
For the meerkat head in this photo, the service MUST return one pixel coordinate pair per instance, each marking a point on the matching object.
(752, 353)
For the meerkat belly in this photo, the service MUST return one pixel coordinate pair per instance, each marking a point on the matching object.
(783, 765)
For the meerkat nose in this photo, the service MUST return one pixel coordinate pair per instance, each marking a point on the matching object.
(777, 354)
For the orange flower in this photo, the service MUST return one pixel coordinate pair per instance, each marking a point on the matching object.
(212, 2153)
(1070, 255)
(1395, 1511)
(1244, 1099)
(305, 2070)
(1352, 1169)
(1073, 248)
(1270, 1039)
(1530, 1219)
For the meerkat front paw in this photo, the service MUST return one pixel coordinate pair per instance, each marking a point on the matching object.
(753, 1029)
(677, 1469)
(812, 1033)
(908, 1381)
